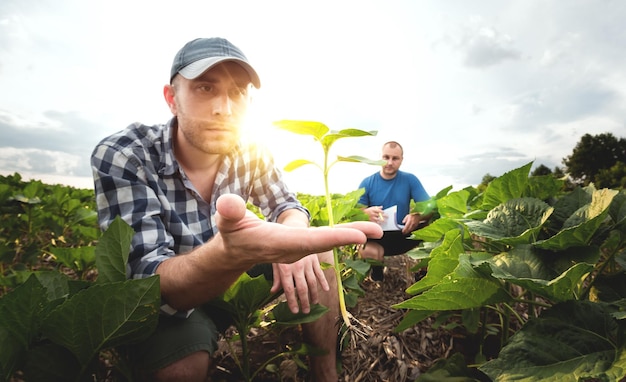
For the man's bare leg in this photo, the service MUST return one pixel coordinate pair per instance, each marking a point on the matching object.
(323, 333)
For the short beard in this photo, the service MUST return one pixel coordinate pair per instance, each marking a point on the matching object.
(193, 134)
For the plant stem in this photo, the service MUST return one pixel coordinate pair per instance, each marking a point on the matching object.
(331, 222)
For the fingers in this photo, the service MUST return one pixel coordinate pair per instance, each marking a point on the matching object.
(300, 282)
(231, 207)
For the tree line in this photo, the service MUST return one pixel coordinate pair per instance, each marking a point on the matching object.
(598, 159)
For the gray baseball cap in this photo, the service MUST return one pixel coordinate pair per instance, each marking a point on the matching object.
(201, 54)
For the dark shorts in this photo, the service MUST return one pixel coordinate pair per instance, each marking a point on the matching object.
(176, 337)
(395, 243)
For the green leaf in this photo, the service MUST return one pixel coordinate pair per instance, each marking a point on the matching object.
(248, 294)
(76, 258)
(617, 210)
(298, 163)
(21, 312)
(314, 129)
(516, 221)
(444, 259)
(360, 159)
(572, 341)
(456, 293)
(425, 207)
(112, 252)
(453, 205)
(543, 187)
(51, 362)
(576, 236)
(511, 185)
(411, 318)
(104, 316)
(284, 316)
(567, 205)
(55, 283)
(523, 267)
(359, 266)
(436, 230)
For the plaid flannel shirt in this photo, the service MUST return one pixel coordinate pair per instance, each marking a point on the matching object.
(137, 177)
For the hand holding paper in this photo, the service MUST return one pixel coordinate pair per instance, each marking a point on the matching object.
(389, 221)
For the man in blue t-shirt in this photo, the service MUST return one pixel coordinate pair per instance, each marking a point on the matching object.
(383, 190)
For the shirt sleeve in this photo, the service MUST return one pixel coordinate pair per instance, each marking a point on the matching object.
(418, 193)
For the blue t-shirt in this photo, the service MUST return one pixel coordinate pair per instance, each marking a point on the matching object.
(389, 192)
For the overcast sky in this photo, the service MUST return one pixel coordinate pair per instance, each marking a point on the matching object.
(467, 87)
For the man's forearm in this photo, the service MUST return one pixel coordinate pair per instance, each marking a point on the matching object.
(191, 279)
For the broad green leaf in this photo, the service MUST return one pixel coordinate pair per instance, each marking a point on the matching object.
(436, 230)
(453, 205)
(600, 202)
(457, 293)
(576, 236)
(284, 316)
(543, 187)
(567, 205)
(76, 258)
(51, 362)
(249, 293)
(104, 316)
(443, 192)
(444, 259)
(55, 283)
(357, 133)
(524, 268)
(21, 312)
(411, 318)
(360, 159)
(617, 210)
(297, 164)
(112, 252)
(521, 262)
(516, 221)
(511, 185)
(359, 266)
(425, 207)
(329, 139)
(572, 341)
(314, 129)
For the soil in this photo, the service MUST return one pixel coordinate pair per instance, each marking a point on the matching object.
(381, 355)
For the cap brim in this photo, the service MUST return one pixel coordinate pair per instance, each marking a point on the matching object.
(196, 68)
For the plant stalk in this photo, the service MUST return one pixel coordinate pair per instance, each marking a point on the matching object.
(331, 222)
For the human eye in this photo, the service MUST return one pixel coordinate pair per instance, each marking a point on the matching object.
(205, 88)
(238, 92)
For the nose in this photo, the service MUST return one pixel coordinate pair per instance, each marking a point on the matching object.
(222, 105)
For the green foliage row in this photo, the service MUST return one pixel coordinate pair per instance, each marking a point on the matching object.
(539, 267)
(39, 223)
(56, 328)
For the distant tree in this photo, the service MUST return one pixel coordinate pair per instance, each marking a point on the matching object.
(558, 172)
(614, 177)
(487, 178)
(592, 154)
(541, 170)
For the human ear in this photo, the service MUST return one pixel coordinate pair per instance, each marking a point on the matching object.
(168, 93)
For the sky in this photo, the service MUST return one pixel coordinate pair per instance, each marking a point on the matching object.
(468, 88)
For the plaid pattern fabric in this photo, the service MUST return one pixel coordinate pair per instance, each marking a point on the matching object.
(137, 177)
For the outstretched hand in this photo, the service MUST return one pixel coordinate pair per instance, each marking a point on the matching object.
(255, 241)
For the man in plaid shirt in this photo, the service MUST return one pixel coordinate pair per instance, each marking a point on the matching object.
(182, 186)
